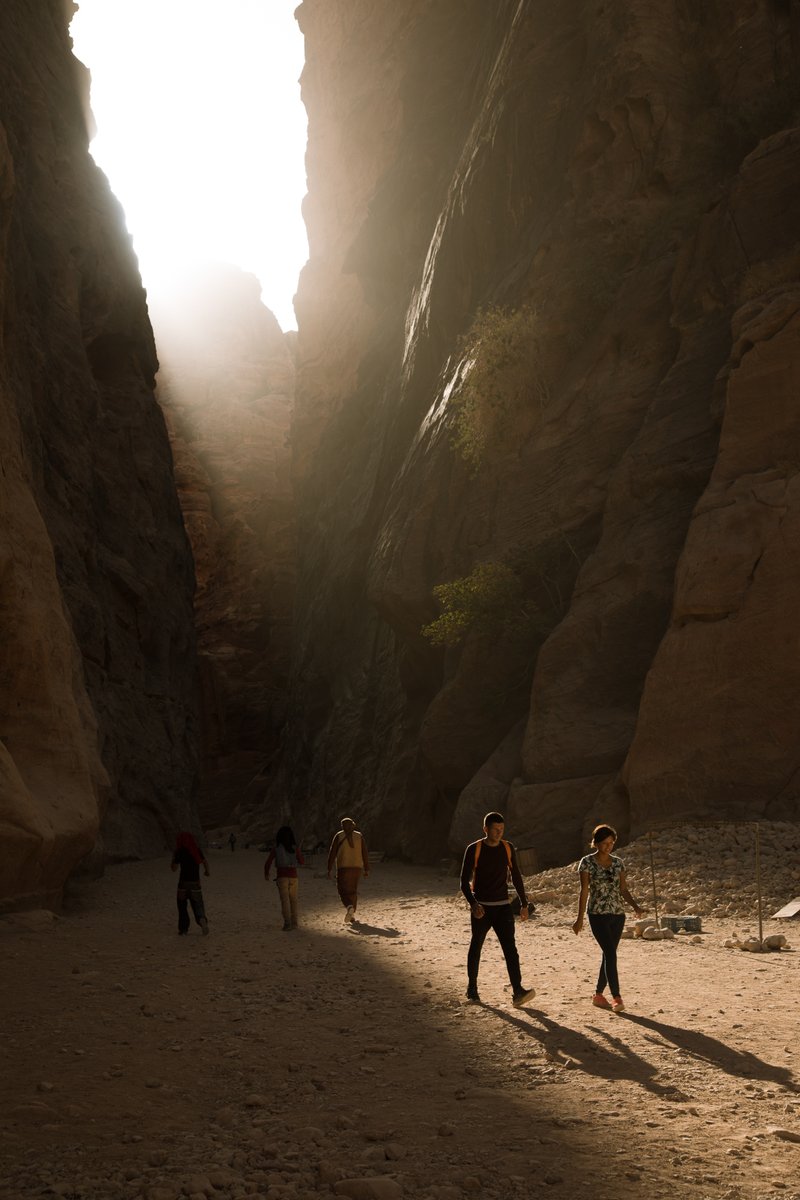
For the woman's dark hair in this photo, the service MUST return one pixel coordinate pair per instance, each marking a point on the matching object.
(284, 837)
(601, 832)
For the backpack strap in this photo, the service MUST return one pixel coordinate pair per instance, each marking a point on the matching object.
(478, 845)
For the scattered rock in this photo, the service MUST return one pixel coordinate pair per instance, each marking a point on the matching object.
(369, 1189)
(199, 1185)
(785, 1135)
(311, 1134)
(37, 918)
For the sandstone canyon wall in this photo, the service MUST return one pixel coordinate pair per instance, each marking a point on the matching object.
(226, 385)
(625, 175)
(97, 739)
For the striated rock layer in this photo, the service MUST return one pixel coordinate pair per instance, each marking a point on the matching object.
(627, 174)
(226, 383)
(96, 642)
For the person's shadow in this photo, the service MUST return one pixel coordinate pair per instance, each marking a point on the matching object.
(718, 1054)
(615, 1061)
(364, 930)
(618, 1061)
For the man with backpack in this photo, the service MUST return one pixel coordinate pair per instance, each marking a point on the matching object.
(484, 883)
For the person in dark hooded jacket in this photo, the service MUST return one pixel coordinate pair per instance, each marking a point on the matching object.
(189, 858)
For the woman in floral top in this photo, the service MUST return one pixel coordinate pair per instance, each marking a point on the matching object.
(603, 882)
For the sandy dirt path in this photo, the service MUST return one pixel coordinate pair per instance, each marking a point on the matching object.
(335, 1061)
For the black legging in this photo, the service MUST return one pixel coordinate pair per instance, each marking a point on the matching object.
(607, 929)
(500, 918)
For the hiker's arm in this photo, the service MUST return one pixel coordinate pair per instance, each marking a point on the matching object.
(467, 870)
(623, 887)
(519, 885)
(578, 926)
(332, 852)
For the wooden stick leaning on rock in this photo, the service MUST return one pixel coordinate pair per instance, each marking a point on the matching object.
(653, 877)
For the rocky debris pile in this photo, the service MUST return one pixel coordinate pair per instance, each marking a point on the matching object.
(647, 929)
(707, 870)
(775, 941)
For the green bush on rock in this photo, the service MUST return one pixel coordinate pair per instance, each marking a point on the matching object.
(501, 371)
(487, 601)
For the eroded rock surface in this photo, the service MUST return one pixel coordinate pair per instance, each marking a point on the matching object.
(628, 173)
(96, 640)
(226, 383)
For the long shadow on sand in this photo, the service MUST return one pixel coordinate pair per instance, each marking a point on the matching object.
(616, 1062)
(740, 1063)
(364, 930)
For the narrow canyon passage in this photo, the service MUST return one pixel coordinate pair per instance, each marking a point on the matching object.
(253, 1062)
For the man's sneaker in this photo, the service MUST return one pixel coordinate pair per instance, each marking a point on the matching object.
(286, 926)
(349, 916)
(617, 1004)
(599, 1001)
(204, 926)
(522, 997)
(472, 994)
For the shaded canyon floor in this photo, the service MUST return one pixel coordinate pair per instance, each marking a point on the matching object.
(136, 1064)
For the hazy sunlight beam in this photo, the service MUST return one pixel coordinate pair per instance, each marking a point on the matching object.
(202, 134)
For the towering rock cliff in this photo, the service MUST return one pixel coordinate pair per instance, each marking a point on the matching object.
(547, 364)
(96, 642)
(550, 325)
(226, 384)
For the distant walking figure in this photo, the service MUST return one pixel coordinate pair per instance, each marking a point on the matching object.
(232, 841)
(348, 853)
(603, 882)
(189, 858)
(286, 856)
(484, 883)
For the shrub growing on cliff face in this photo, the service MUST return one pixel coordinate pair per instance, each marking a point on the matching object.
(502, 371)
(489, 600)
(522, 598)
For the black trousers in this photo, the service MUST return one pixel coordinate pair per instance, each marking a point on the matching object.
(500, 918)
(189, 893)
(607, 929)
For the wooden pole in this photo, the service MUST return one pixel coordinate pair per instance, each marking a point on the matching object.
(653, 877)
(758, 886)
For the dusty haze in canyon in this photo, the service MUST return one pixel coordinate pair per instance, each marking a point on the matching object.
(230, 627)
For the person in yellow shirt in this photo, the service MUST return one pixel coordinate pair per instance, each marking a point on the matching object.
(348, 853)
